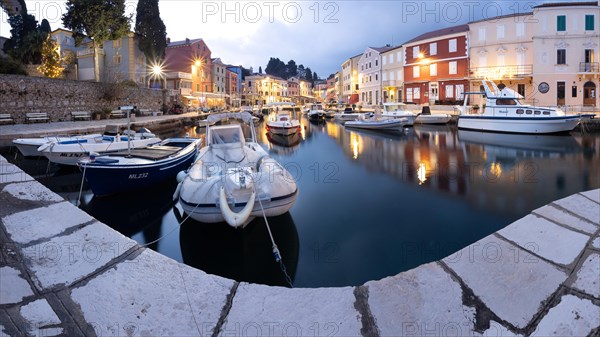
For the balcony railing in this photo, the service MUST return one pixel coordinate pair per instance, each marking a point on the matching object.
(179, 75)
(89, 51)
(502, 72)
(588, 67)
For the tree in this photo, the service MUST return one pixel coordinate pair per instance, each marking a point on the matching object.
(315, 76)
(100, 20)
(259, 69)
(301, 71)
(26, 38)
(291, 69)
(308, 76)
(275, 67)
(51, 62)
(45, 27)
(151, 30)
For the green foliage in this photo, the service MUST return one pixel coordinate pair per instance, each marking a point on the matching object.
(100, 20)
(151, 30)
(26, 39)
(8, 66)
(45, 27)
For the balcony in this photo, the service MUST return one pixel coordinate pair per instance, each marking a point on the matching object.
(502, 72)
(178, 75)
(89, 52)
(588, 67)
(391, 83)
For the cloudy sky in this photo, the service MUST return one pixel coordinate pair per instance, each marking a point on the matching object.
(319, 34)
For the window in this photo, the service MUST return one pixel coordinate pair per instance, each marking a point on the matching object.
(521, 89)
(520, 29)
(481, 34)
(452, 68)
(376, 77)
(589, 22)
(384, 61)
(416, 52)
(452, 46)
(460, 89)
(501, 61)
(416, 72)
(376, 62)
(409, 95)
(383, 76)
(117, 59)
(117, 43)
(417, 93)
(561, 56)
(391, 76)
(574, 91)
(198, 87)
(483, 60)
(450, 91)
(399, 56)
(505, 101)
(560, 93)
(391, 58)
(433, 48)
(500, 31)
(528, 112)
(561, 23)
(520, 111)
(433, 70)
(520, 59)
(356, 87)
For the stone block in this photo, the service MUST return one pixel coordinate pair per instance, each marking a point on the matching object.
(153, 295)
(277, 311)
(506, 277)
(546, 239)
(571, 317)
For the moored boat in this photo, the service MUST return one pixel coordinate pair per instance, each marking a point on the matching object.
(234, 180)
(316, 112)
(347, 115)
(395, 124)
(283, 125)
(29, 146)
(139, 167)
(393, 110)
(69, 152)
(503, 112)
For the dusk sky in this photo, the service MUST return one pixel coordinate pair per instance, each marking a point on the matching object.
(318, 34)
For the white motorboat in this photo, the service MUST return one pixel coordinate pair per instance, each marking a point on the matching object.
(393, 110)
(347, 115)
(29, 146)
(395, 124)
(234, 180)
(316, 112)
(426, 117)
(503, 112)
(283, 125)
(69, 152)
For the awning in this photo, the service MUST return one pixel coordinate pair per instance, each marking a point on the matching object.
(190, 97)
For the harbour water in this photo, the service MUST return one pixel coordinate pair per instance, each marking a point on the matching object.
(371, 205)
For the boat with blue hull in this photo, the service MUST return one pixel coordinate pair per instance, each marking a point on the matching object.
(138, 168)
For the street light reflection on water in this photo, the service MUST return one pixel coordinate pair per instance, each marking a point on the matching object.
(370, 205)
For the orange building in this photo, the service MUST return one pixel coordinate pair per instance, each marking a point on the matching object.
(436, 67)
(191, 57)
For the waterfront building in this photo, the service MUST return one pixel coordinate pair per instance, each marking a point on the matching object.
(232, 80)
(369, 75)
(219, 80)
(565, 43)
(331, 95)
(263, 89)
(350, 90)
(304, 95)
(118, 60)
(319, 91)
(436, 66)
(501, 50)
(392, 74)
(338, 87)
(188, 69)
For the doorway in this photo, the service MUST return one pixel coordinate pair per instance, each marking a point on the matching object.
(589, 94)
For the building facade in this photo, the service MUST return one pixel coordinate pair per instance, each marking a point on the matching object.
(392, 74)
(263, 89)
(565, 43)
(118, 60)
(232, 80)
(436, 66)
(369, 76)
(350, 88)
(188, 63)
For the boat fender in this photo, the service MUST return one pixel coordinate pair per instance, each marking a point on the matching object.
(177, 191)
(45, 146)
(181, 175)
(235, 220)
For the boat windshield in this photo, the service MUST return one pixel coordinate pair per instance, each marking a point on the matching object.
(227, 134)
(393, 107)
(317, 107)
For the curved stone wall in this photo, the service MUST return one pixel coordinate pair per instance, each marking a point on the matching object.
(64, 273)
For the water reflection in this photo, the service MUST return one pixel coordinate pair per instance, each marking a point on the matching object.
(282, 145)
(242, 255)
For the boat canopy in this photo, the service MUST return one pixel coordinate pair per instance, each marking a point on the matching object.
(244, 116)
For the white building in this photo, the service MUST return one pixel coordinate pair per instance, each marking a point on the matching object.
(369, 76)
(566, 43)
(350, 90)
(392, 74)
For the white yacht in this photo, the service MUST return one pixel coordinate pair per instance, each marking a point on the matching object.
(503, 112)
(393, 110)
(316, 111)
(283, 124)
(234, 180)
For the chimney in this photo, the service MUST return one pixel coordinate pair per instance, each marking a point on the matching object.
(187, 40)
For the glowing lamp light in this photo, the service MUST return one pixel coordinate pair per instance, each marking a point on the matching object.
(198, 63)
(421, 55)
